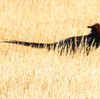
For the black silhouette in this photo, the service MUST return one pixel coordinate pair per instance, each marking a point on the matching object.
(72, 43)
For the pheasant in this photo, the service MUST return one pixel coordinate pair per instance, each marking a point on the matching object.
(72, 43)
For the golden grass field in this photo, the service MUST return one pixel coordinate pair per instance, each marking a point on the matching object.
(29, 73)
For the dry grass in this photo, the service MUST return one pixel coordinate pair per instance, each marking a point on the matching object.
(28, 73)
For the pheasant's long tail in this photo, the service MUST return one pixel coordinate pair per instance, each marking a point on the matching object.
(34, 45)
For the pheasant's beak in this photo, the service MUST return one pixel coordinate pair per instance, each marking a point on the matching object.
(90, 26)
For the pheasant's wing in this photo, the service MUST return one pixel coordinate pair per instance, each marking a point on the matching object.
(75, 42)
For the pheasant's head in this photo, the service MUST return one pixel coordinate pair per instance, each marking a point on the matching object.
(95, 29)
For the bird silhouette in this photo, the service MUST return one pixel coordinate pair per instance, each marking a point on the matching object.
(72, 43)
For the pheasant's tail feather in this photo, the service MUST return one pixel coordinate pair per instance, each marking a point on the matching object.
(35, 45)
